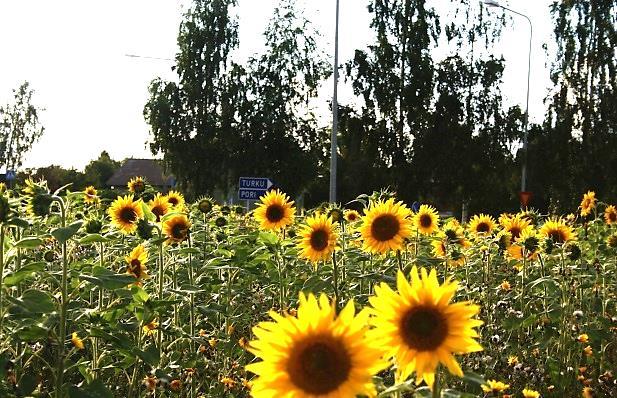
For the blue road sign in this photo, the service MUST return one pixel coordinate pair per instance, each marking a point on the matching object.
(251, 188)
(10, 175)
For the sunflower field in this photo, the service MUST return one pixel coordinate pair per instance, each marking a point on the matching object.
(147, 295)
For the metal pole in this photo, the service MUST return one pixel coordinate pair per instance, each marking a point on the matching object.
(333, 143)
(526, 121)
(493, 3)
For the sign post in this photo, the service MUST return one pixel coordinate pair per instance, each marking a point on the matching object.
(252, 188)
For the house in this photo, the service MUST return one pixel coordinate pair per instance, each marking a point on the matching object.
(150, 169)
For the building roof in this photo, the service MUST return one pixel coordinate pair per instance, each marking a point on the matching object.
(150, 169)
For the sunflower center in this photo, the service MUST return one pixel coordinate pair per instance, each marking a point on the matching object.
(515, 232)
(275, 213)
(385, 227)
(173, 201)
(557, 236)
(128, 215)
(320, 366)
(178, 231)
(319, 240)
(612, 216)
(424, 328)
(483, 227)
(158, 211)
(426, 221)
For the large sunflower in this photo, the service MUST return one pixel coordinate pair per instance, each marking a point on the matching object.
(136, 185)
(275, 211)
(136, 261)
(125, 214)
(385, 225)
(426, 220)
(515, 225)
(159, 206)
(421, 328)
(588, 203)
(176, 228)
(90, 195)
(558, 231)
(610, 215)
(315, 354)
(481, 225)
(317, 238)
(175, 199)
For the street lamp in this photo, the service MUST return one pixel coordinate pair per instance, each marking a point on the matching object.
(333, 144)
(524, 194)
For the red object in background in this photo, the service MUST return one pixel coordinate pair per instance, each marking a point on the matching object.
(525, 197)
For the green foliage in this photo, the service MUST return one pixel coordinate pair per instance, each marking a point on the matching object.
(19, 127)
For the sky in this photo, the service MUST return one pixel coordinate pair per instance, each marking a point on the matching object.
(74, 54)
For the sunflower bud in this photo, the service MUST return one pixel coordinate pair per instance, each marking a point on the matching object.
(93, 226)
(612, 241)
(5, 209)
(574, 252)
(239, 210)
(225, 210)
(336, 214)
(220, 222)
(205, 205)
(144, 229)
(49, 256)
(38, 205)
(549, 245)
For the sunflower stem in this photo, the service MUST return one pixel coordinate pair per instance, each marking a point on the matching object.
(1, 274)
(436, 386)
(63, 306)
(160, 296)
(400, 260)
(335, 280)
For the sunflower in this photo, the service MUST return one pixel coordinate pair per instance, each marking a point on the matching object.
(317, 238)
(494, 386)
(385, 226)
(150, 328)
(442, 249)
(481, 225)
(205, 205)
(528, 393)
(136, 185)
(420, 327)
(610, 215)
(527, 243)
(558, 231)
(315, 354)
(426, 219)
(175, 199)
(136, 263)
(588, 203)
(351, 216)
(176, 228)
(77, 342)
(125, 214)
(90, 195)
(275, 211)
(515, 225)
(336, 214)
(159, 206)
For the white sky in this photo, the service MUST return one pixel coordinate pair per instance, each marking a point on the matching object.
(73, 54)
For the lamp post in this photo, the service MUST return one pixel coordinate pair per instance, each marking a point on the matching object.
(524, 194)
(333, 143)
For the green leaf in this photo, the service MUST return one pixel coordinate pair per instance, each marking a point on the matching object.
(32, 333)
(34, 302)
(96, 389)
(268, 238)
(23, 273)
(27, 384)
(19, 222)
(474, 378)
(30, 242)
(150, 355)
(64, 234)
(93, 238)
(108, 279)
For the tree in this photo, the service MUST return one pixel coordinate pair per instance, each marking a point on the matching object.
(19, 127)
(224, 120)
(187, 118)
(575, 147)
(98, 171)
